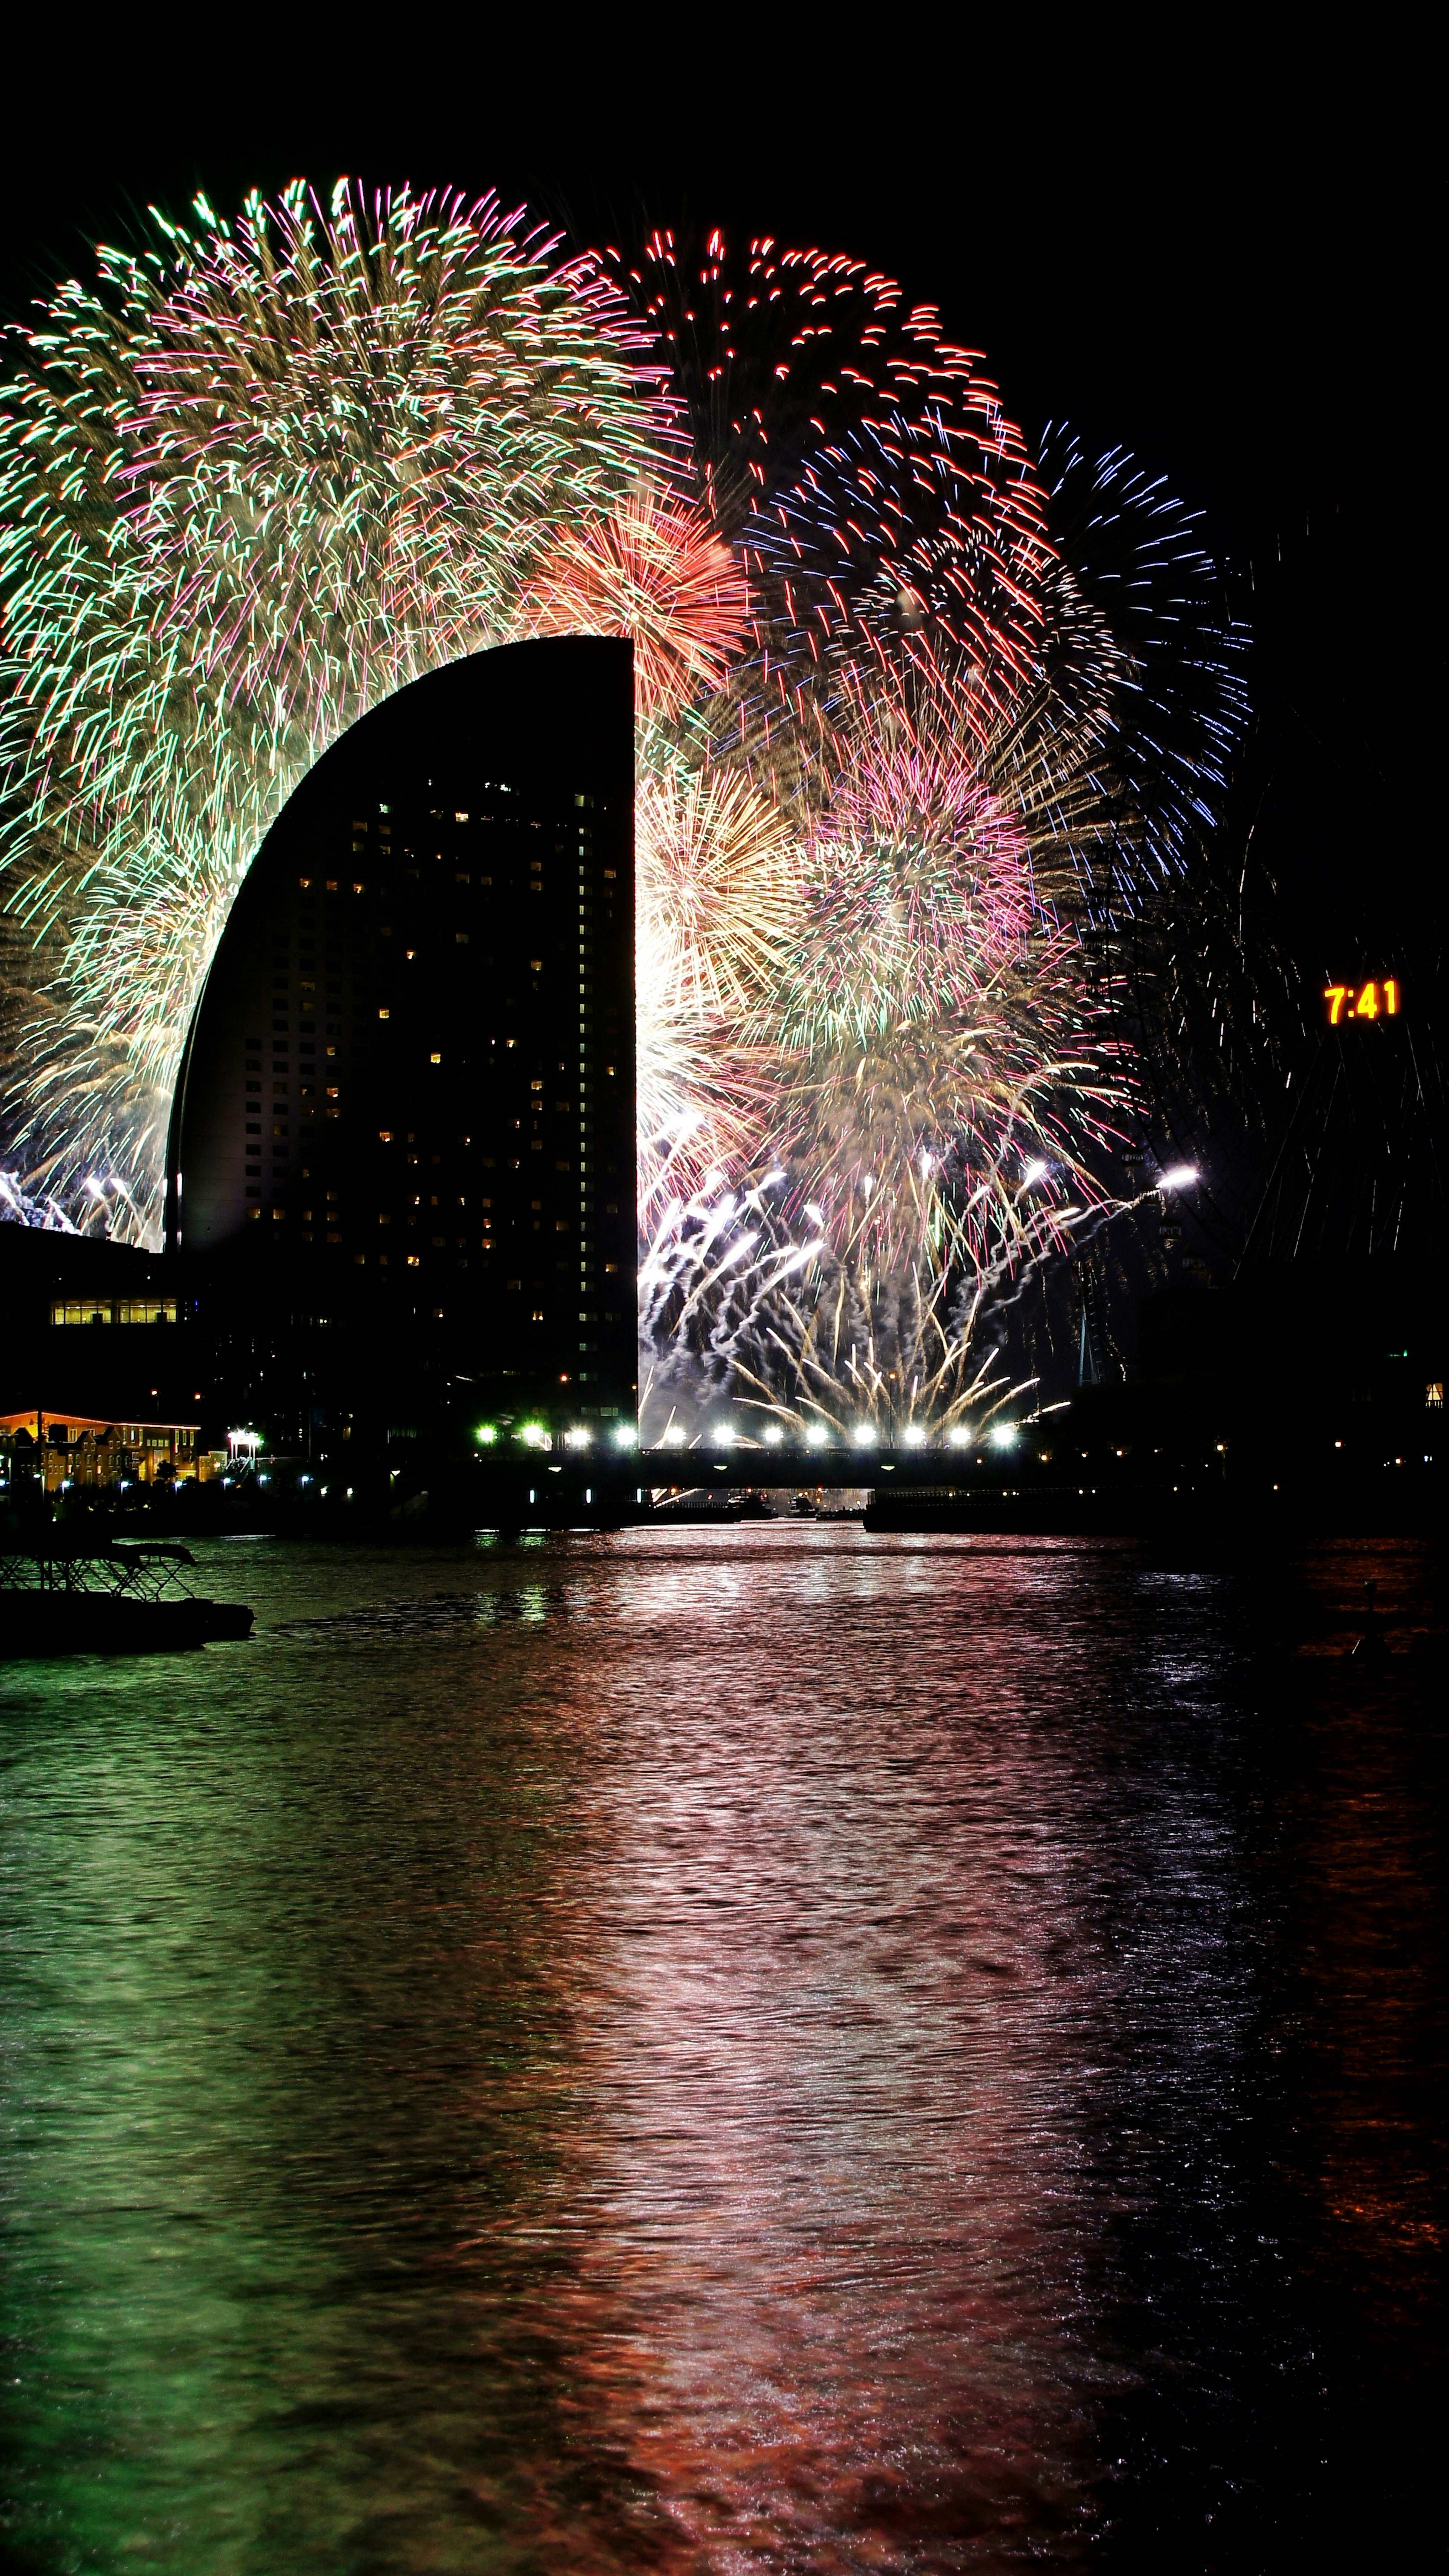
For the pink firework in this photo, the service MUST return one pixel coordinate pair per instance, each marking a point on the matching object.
(653, 569)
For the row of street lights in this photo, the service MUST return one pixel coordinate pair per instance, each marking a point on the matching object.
(534, 1436)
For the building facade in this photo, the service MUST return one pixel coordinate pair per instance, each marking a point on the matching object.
(408, 1098)
(61, 1451)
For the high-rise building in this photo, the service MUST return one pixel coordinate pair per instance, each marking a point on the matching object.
(408, 1095)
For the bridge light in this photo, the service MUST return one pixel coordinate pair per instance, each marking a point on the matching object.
(625, 1436)
(673, 1437)
(486, 1434)
(774, 1437)
(816, 1436)
(864, 1435)
(913, 1436)
(960, 1435)
(1002, 1435)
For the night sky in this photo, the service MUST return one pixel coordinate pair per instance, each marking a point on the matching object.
(1221, 262)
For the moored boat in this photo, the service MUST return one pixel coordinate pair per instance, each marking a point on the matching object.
(72, 1594)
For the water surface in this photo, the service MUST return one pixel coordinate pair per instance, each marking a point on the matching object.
(729, 2050)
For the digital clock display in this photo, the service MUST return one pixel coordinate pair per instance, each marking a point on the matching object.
(1378, 999)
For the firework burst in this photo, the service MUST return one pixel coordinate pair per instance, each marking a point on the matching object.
(656, 571)
(882, 501)
(258, 479)
(921, 716)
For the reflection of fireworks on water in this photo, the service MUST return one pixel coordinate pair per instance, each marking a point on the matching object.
(916, 714)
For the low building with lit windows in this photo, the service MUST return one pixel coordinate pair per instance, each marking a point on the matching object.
(63, 1450)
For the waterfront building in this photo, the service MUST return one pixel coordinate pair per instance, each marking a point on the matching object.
(405, 1118)
(60, 1451)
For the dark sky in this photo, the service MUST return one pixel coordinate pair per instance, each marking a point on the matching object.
(1217, 258)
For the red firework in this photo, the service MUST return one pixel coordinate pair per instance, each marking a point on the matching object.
(655, 570)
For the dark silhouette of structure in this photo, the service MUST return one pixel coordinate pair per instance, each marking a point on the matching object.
(402, 1150)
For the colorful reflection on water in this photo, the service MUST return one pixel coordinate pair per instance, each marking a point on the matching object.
(763, 2049)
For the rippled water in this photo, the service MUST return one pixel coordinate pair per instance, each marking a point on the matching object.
(731, 2050)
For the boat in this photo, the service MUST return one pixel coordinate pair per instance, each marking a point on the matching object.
(74, 1593)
